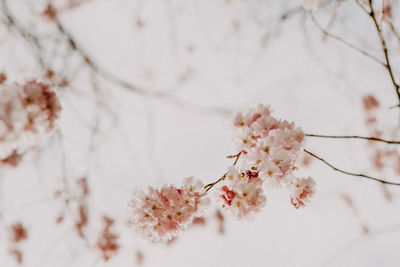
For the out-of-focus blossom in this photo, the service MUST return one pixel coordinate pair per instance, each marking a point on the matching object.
(27, 116)
(107, 243)
(385, 13)
(370, 102)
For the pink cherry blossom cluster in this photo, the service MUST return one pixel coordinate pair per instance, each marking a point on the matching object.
(268, 151)
(27, 114)
(160, 214)
(242, 193)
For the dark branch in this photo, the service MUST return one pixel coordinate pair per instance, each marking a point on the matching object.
(31, 39)
(355, 137)
(343, 41)
(384, 49)
(350, 173)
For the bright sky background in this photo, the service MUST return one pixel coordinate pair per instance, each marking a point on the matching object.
(214, 58)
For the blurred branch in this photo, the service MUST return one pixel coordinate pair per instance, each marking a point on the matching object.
(394, 30)
(89, 61)
(26, 35)
(279, 23)
(75, 46)
(384, 49)
(371, 13)
(343, 41)
(350, 173)
(355, 137)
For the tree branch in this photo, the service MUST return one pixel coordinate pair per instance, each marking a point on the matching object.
(31, 39)
(350, 173)
(384, 49)
(209, 186)
(355, 137)
(96, 68)
(343, 41)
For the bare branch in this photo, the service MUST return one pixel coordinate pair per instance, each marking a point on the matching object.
(350, 173)
(26, 35)
(209, 186)
(343, 41)
(75, 46)
(384, 49)
(355, 137)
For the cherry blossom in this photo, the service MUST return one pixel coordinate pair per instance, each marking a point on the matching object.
(267, 152)
(301, 190)
(269, 146)
(243, 194)
(268, 149)
(27, 115)
(160, 214)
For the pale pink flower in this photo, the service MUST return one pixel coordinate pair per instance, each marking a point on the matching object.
(269, 149)
(27, 115)
(265, 111)
(301, 190)
(243, 139)
(271, 174)
(283, 159)
(160, 214)
(253, 159)
(241, 121)
(243, 199)
(264, 124)
(242, 193)
(287, 136)
(252, 176)
(232, 175)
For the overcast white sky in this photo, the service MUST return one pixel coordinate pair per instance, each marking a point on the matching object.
(212, 58)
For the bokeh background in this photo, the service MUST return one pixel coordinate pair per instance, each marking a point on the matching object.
(148, 88)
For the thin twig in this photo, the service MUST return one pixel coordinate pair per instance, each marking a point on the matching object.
(89, 61)
(355, 137)
(24, 33)
(209, 186)
(343, 41)
(393, 29)
(99, 70)
(333, 16)
(362, 6)
(384, 49)
(350, 173)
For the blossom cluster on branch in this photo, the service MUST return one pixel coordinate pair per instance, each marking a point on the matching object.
(160, 214)
(27, 115)
(268, 149)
